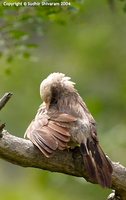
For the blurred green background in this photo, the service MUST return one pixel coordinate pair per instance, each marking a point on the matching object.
(90, 46)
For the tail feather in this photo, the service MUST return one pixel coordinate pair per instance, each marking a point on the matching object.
(96, 163)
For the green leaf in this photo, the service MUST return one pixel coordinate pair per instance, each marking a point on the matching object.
(17, 34)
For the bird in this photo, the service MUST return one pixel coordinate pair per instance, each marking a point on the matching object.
(62, 121)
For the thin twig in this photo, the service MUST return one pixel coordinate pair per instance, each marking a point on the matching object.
(5, 99)
(2, 127)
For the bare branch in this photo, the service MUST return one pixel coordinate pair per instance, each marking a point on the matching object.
(5, 99)
(2, 127)
(22, 152)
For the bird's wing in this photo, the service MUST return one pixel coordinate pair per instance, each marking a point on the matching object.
(50, 131)
(90, 117)
(95, 160)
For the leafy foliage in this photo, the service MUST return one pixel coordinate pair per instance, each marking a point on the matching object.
(22, 27)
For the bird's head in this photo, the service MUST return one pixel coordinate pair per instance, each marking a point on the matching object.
(54, 85)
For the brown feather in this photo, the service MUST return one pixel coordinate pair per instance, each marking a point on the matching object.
(63, 117)
(61, 130)
(96, 163)
(47, 138)
(49, 133)
(89, 165)
(42, 147)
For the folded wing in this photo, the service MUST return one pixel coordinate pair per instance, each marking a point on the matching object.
(50, 132)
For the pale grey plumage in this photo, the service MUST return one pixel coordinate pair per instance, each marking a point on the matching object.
(64, 118)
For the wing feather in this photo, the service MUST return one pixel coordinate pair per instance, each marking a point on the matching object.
(50, 132)
(63, 117)
(47, 138)
(96, 163)
(35, 139)
(61, 130)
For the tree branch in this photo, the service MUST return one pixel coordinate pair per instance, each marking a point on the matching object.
(22, 152)
(5, 99)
